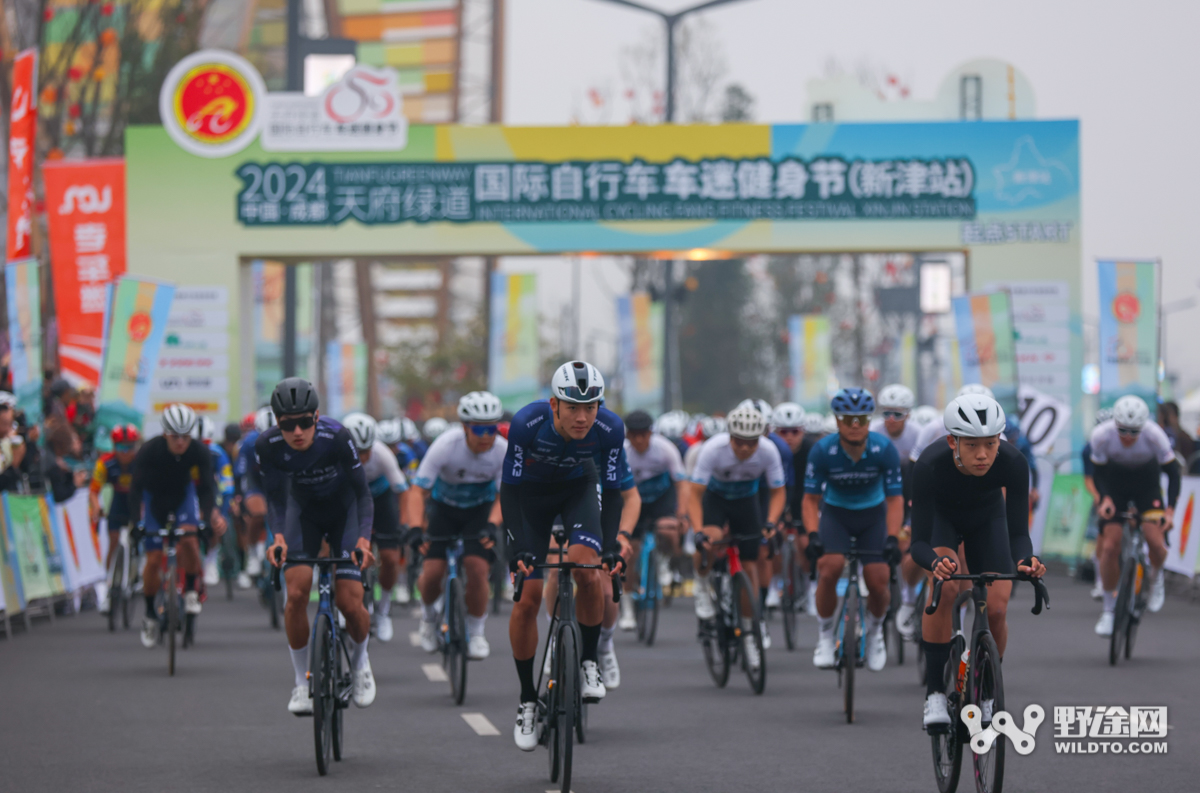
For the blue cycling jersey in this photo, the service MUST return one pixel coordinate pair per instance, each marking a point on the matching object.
(850, 485)
(785, 459)
(245, 456)
(537, 453)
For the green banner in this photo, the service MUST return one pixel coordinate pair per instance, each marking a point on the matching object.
(1066, 517)
(30, 537)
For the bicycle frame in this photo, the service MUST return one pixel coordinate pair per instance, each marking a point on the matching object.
(647, 578)
(860, 650)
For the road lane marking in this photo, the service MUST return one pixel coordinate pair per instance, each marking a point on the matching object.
(480, 724)
(434, 672)
(414, 638)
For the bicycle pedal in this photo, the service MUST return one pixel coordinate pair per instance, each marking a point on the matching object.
(591, 700)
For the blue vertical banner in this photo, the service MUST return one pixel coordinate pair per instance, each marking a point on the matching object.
(810, 364)
(640, 346)
(1130, 293)
(513, 340)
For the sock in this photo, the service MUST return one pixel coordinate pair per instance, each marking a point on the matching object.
(150, 607)
(747, 624)
(762, 598)
(300, 664)
(825, 625)
(908, 595)
(189, 583)
(525, 675)
(358, 654)
(475, 625)
(384, 606)
(429, 612)
(606, 639)
(873, 623)
(1110, 601)
(590, 634)
(936, 656)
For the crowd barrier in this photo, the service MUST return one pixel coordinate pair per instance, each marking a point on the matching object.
(48, 554)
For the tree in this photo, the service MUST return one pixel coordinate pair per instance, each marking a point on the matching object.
(433, 375)
(738, 104)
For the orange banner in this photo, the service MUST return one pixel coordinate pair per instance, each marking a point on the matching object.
(85, 207)
(22, 130)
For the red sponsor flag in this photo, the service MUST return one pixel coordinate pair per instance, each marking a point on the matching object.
(85, 206)
(22, 130)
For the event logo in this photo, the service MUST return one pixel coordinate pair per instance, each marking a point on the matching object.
(89, 199)
(982, 738)
(139, 326)
(360, 95)
(1126, 307)
(210, 103)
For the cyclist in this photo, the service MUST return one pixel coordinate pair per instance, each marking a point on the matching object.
(115, 468)
(458, 479)
(789, 420)
(433, 428)
(172, 474)
(1129, 454)
(706, 427)
(205, 431)
(390, 432)
(411, 435)
(852, 487)
(316, 492)
(253, 506)
(387, 485)
(672, 425)
(924, 415)
(724, 493)
(550, 470)
(658, 473)
(972, 490)
(936, 428)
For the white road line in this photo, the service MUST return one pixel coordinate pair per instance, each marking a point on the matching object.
(414, 638)
(434, 672)
(480, 724)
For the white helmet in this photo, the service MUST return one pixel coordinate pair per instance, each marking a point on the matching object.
(388, 432)
(7, 399)
(925, 414)
(787, 414)
(975, 388)
(672, 424)
(896, 396)
(264, 419)
(829, 424)
(480, 407)
(814, 423)
(1130, 412)
(974, 416)
(578, 382)
(1103, 415)
(746, 421)
(408, 430)
(363, 430)
(710, 426)
(435, 427)
(205, 429)
(178, 419)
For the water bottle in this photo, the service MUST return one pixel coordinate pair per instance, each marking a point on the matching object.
(961, 684)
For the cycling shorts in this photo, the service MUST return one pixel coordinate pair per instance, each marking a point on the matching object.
(118, 512)
(305, 528)
(665, 506)
(531, 507)
(385, 525)
(868, 526)
(186, 514)
(983, 533)
(742, 516)
(1140, 484)
(251, 487)
(447, 522)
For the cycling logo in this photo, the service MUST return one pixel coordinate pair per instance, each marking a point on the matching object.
(211, 103)
(982, 738)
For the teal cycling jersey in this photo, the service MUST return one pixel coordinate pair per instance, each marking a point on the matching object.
(456, 476)
(853, 485)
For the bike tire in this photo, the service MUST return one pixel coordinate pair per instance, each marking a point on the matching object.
(341, 676)
(324, 703)
(116, 590)
(947, 744)
(787, 602)
(918, 636)
(171, 600)
(130, 595)
(742, 588)
(456, 640)
(715, 640)
(189, 630)
(1138, 600)
(654, 596)
(568, 679)
(985, 677)
(1116, 642)
(848, 650)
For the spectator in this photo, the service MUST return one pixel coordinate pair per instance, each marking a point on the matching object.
(81, 415)
(12, 445)
(61, 476)
(1168, 419)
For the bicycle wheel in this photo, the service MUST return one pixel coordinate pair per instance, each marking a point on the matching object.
(987, 683)
(341, 674)
(1116, 642)
(714, 641)
(1137, 607)
(171, 599)
(568, 681)
(116, 590)
(947, 742)
(848, 649)
(918, 635)
(787, 601)
(274, 606)
(456, 640)
(756, 674)
(323, 701)
(653, 596)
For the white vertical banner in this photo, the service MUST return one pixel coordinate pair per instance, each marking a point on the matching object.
(1184, 549)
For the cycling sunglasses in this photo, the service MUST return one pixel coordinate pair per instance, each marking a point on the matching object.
(895, 415)
(483, 430)
(1128, 432)
(790, 431)
(123, 447)
(575, 394)
(302, 422)
(851, 421)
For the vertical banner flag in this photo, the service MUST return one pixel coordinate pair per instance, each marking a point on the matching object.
(38, 565)
(1184, 549)
(23, 292)
(987, 344)
(640, 329)
(345, 377)
(513, 340)
(1066, 518)
(22, 133)
(193, 364)
(137, 322)
(85, 208)
(1129, 294)
(808, 352)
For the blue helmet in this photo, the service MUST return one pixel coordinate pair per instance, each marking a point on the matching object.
(1012, 428)
(852, 402)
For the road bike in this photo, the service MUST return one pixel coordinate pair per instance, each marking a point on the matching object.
(977, 681)
(723, 636)
(562, 712)
(330, 676)
(227, 558)
(791, 597)
(647, 598)
(270, 597)
(169, 603)
(124, 579)
(452, 638)
(850, 650)
(1133, 589)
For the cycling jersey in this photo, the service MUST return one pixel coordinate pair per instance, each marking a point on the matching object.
(406, 458)
(799, 466)
(853, 485)
(537, 453)
(242, 468)
(907, 440)
(724, 474)
(222, 473)
(785, 458)
(1152, 444)
(382, 471)
(656, 471)
(167, 482)
(458, 477)
(1140, 464)
(109, 471)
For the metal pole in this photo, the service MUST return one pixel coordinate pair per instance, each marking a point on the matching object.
(496, 100)
(670, 351)
(670, 110)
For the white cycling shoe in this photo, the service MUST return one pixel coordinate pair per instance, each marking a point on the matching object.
(429, 636)
(191, 603)
(403, 595)
(773, 600)
(301, 703)
(364, 686)
(1158, 592)
(753, 659)
(1097, 589)
(937, 711)
(243, 580)
(766, 636)
(149, 632)
(823, 655)
(610, 670)
(905, 621)
(478, 648)
(704, 604)
(212, 573)
(665, 577)
(628, 620)
(105, 605)
(1104, 627)
(253, 563)
(525, 730)
(876, 650)
(592, 689)
(384, 631)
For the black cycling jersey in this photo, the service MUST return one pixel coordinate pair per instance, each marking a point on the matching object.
(166, 478)
(942, 493)
(325, 478)
(800, 465)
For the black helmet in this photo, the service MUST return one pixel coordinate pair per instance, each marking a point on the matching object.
(294, 395)
(638, 421)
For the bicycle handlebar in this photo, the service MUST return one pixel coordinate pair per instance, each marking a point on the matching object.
(519, 578)
(1041, 597)
(318, 561)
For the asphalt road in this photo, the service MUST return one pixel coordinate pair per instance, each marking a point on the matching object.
(83, 709)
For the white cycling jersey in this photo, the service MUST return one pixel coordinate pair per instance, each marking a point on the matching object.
(726, 475)
(383, 471)
(455, 475)
(693, 454)
(1152, 444)
(907, 440)
(656, 471)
